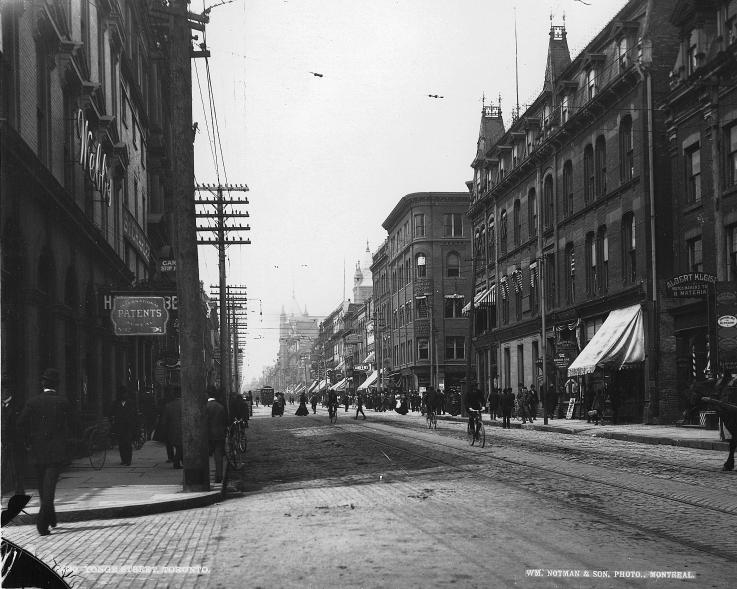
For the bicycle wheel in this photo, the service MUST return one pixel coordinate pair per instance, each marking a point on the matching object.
(233, 455)
(97, 449)
(242, 440)
(482, 435)
(469, 435)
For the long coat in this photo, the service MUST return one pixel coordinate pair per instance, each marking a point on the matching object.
(124, 418)
(172, 421)
(216, 421)
(49, 421)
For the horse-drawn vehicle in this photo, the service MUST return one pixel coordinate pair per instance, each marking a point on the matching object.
(266, 394)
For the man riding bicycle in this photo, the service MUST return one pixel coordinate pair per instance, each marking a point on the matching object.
(332, 403)
(430, 400)
(474, 405)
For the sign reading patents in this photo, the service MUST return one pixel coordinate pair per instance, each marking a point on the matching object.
(139, 315)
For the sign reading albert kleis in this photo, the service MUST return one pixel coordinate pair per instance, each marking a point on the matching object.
(693, 284)
(139, 315)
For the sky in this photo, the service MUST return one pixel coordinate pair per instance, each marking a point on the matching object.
(326, 158)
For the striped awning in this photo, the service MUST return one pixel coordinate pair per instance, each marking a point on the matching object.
(486, 298)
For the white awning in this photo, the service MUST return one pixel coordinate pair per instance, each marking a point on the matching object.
(485, 298)
(369, 358)
(372, 378)
(300, 388)
(312, 386)
(619, 343)
(339, 386)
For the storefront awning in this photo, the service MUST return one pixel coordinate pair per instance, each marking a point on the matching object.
(323, 386)
(313, 386)
(485, 298)
(369, 358)
(372, 378)
(300, 388)
(619, 343)
(340, 385)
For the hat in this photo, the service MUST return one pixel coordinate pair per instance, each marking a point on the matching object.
(50, 376)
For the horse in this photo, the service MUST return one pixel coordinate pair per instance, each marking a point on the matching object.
(727, 412)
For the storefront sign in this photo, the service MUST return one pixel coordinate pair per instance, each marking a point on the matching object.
(135, 235)
(571, 407)
(693, 284)
(363, 367)
(168, 266)
(726, 313)
(139, 315)
(562, 360)
(92, 159)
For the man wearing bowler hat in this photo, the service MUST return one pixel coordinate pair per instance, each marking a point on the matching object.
(49, 420)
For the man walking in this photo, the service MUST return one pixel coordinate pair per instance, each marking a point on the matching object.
(123, 417)
(49, 420)
(216, 425)
(359, 406)
(507, 404)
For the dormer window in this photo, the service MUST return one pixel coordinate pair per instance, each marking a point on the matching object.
(622, 53)
(591, 82)
(564, 108)
(530, 140)
(692, 54)
(546, 116)
(515, 155)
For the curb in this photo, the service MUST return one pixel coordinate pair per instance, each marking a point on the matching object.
(639, 438)
(137, 510)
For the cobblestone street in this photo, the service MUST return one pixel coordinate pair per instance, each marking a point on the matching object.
(387, 503)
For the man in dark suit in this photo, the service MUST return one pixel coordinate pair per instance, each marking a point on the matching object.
(216, 425)
(507, 404)
(123, 417)
(49, 420)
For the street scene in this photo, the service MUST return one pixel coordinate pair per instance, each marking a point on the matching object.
(412, 293)
(387, 502)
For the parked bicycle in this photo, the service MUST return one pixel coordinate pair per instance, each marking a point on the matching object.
(236, 443)
(97, 441)
(475, 431)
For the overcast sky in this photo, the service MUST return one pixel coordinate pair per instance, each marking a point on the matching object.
(327, 158)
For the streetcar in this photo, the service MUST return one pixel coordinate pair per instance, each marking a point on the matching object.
(266, 394)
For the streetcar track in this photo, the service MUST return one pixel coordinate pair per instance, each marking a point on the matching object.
(491, 458)
(663, 533)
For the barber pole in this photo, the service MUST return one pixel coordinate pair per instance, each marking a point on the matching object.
(693, 360)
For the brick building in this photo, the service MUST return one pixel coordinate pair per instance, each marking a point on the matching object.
(84, 140)
(421, 284)
(702, 133)
(564, 205)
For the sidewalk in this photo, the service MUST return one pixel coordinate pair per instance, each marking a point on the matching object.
(150, 485)
(671, 435)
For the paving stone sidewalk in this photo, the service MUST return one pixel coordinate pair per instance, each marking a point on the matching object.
(149, 485)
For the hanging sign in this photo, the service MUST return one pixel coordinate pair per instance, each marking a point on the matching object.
(726, 313)
(139, 315)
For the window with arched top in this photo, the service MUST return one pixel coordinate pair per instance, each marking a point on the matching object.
(588, 173)
(452, 265)
(567, 188)
(532, 212)
(626, 150)
(503, 232)
(570, 273)
(629, 248)
(600, 162)
(548, 201)
(517, 224)
(491, 239)
(420, 265)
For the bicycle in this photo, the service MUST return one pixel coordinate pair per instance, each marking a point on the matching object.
(139, 438)
(97, 441)
(432, 419)
(475, 431)
(236, 444)
(333, 412)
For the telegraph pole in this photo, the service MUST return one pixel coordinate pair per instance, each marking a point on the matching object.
(221, 215)
(235, 299)
(196, 475)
